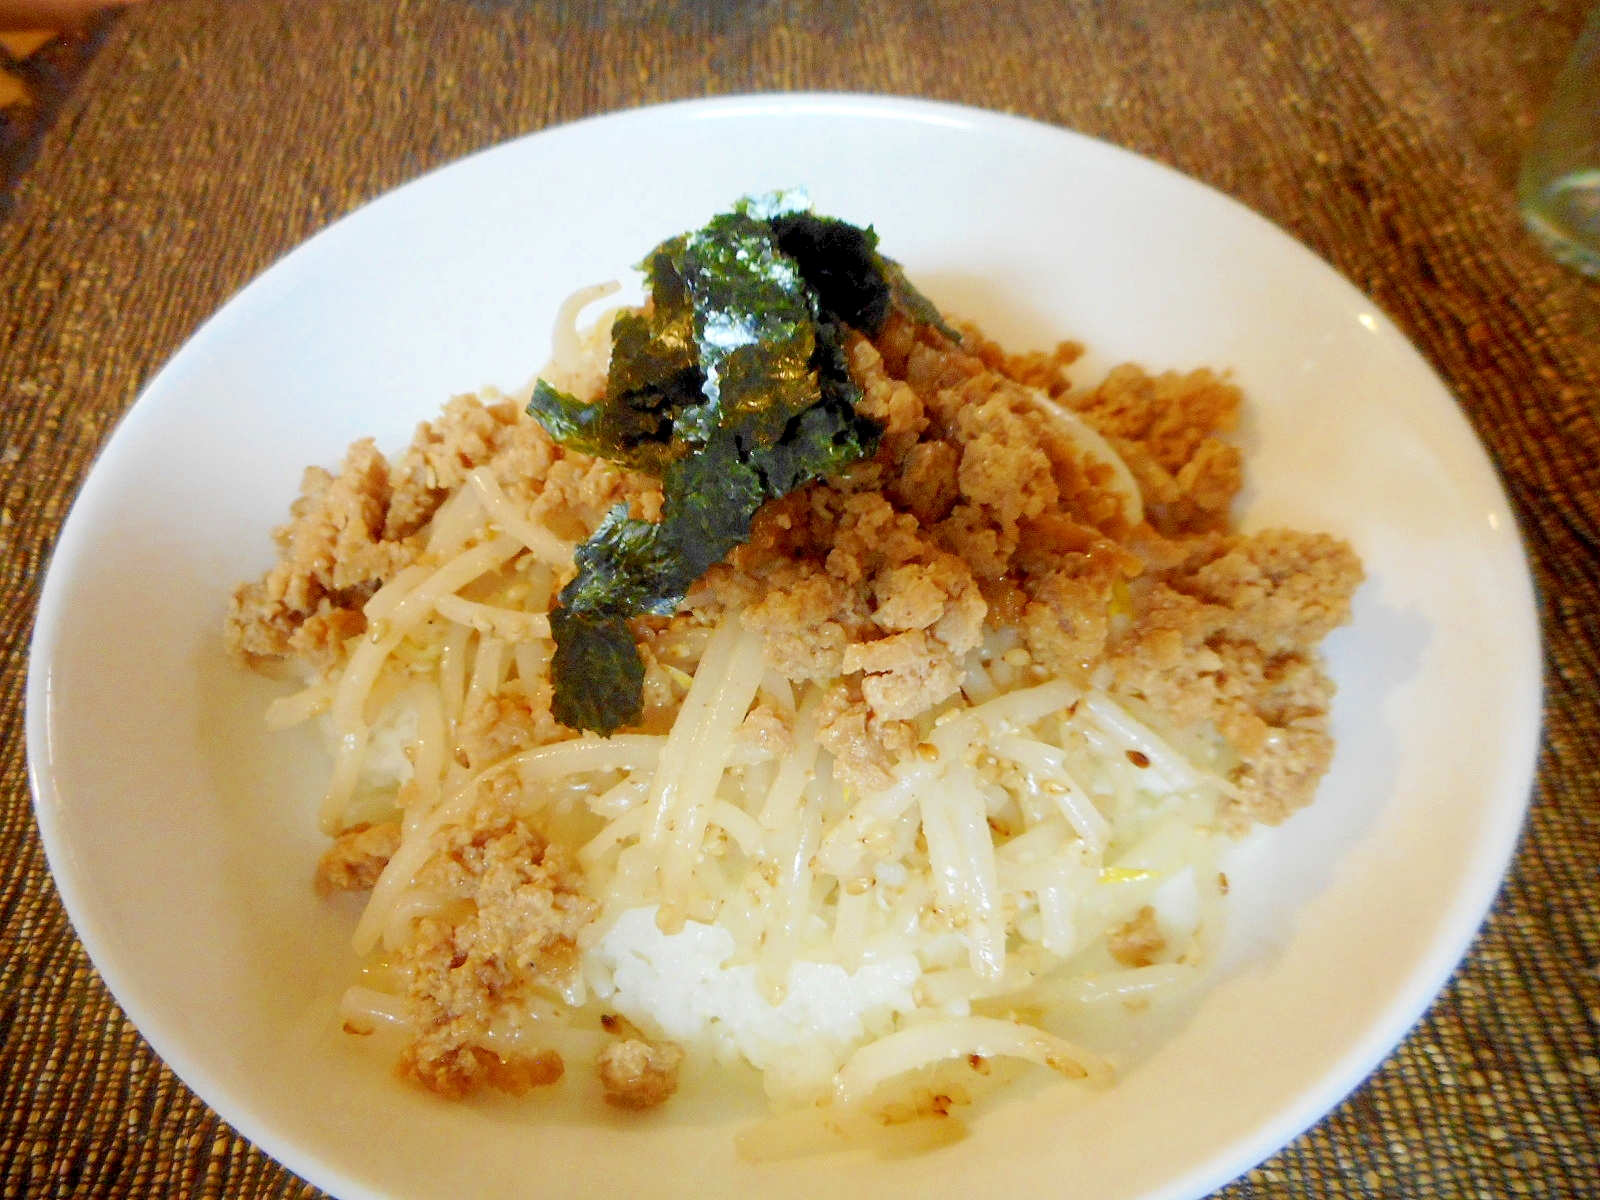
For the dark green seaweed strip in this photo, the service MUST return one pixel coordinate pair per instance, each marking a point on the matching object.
(596, 656)
(734, 388)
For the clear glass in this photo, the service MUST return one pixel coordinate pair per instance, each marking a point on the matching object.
(1559, 189)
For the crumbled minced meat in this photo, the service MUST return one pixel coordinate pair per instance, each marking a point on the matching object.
(502, 723)
(639, 1074)
(978, 510)
(519, 905)
(766, 729)
(1138, 941)
(352, 532)
(357, 857)
(333, 556)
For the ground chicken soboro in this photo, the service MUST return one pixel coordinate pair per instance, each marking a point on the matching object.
(979, 509)
(523, 906)
(978, 513)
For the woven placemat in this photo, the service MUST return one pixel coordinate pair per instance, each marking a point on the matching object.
(1383, 135)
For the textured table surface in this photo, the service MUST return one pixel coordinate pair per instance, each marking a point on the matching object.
(1384, 135)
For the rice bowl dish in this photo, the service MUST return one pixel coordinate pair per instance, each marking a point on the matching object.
(793, 679)
(1347, 431)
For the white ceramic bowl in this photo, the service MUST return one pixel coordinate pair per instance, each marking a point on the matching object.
(181, 834)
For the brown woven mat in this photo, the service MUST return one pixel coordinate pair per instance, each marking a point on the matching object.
(1383, 135)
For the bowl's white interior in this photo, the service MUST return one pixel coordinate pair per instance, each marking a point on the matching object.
(181, 833)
